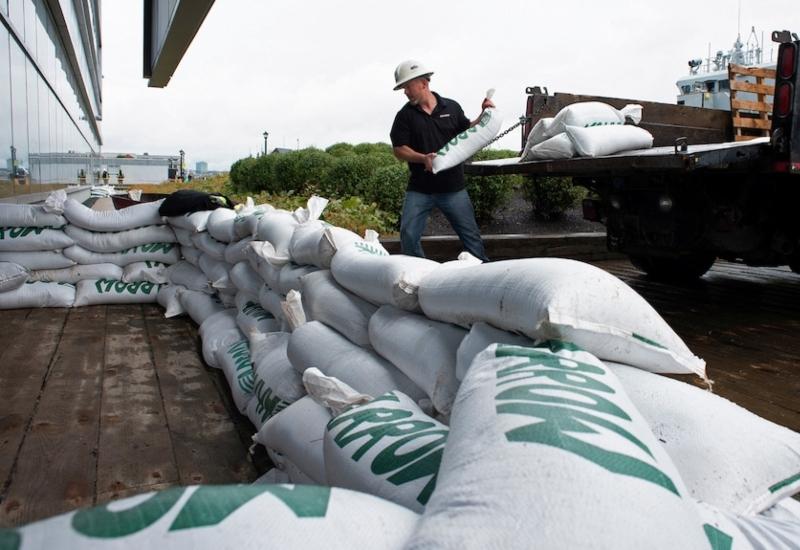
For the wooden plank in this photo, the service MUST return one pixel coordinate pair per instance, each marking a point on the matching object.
(12, 319)
(739, 86)
(25, 360)
(56, 468)
(762, 72)
(760, 106)
(755, 123)
(206, 445)
(135, 448)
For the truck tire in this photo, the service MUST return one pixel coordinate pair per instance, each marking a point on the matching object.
(685, 268)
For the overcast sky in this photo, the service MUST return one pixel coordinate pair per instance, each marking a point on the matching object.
(317, 72)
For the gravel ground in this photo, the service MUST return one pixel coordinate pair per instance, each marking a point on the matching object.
(516, 217)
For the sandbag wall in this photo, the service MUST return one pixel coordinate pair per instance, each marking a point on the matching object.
(501, 401)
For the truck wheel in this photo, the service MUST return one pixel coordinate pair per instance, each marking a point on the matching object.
(686, 268)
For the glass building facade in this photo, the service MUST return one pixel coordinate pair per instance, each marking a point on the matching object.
(50, 93)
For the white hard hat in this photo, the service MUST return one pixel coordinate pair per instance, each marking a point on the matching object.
(407, 71)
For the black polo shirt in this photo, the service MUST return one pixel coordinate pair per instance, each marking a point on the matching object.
(427, 133)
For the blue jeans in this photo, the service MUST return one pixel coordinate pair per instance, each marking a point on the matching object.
(456, 207)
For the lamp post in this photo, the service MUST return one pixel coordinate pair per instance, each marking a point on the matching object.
(181, 167)
(266, 135)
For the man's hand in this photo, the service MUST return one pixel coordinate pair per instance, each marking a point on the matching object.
(429, 162)
(487, 104)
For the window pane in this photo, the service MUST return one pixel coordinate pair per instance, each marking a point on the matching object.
(5, 112)
(19, 110)
(33, 120)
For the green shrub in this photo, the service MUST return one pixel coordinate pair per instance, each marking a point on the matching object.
(551, 197)
(299, 170)
(340, 149)
(357, 215)
(387, 187)
(347, 176)
(241, 173)
(488, 193)
(370, 148)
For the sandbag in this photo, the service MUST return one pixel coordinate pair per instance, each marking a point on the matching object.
(199, 305)
(31, 239)
(185, 274)
(183, 236)
(589, 114)
(333, 239)
(209, 245)
(252, 319)
(304, 447)
(367, 270)
(217, 332)
(234, 360)
(727, 456)
(220, 225)
(228, 517)
(78, 273)
(191, 255)
(12, 276)
(290, 276)
(424, 350)
(196, 222)
(545, 447)
(556, 147)
(167, 253)
(169, 298)
(560, 299)
(245, 278)
(138, 215)
(316, 345)
(277, 227)
(38, 294)
(468, 142)
(238, 251)
(480, 337)
(388, 448)
(246, 222)
(277, 384)
(538, 133)
(120, 240)
(217, 272)
(154, 272)
(608, 140)
(271, 302)
(29, 215)
(325, 300)
(267, 270)
(305, 241)
(38, 260)
(109, 291)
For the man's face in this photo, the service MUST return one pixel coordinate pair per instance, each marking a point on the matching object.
(414, 89)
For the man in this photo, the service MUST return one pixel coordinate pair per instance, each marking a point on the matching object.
(422, 127)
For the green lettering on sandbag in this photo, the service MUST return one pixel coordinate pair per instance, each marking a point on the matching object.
(210, 505)
(377, 432)
(554, 431)
(427, 466)
(100, 522)
(120, 287)
(267, 405)
(719, 540)
(369, 249)
(786, 482)
(133, 288)
(360, 415)
(591, 401)
(647, 341)
(147, 287)
(10, 539)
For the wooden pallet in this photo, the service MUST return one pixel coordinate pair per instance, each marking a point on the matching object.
(751, 119)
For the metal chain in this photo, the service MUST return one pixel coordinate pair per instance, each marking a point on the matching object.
(522, 120)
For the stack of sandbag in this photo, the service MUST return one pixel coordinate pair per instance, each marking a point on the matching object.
(32, 241)
(587, 129)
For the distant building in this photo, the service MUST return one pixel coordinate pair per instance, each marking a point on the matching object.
(281, 151)
(201, 167)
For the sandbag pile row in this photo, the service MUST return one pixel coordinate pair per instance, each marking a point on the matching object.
(587, 129)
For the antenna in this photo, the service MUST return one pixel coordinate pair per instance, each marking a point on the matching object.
(739, 22)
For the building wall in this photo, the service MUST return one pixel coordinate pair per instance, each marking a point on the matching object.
(50, 90)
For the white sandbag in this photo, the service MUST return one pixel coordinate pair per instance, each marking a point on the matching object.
(736, 532)
(304, 447)
(561, 299)
(332, 240)
(727, 456)
(290, 276)
(220, 225)
(277, 227)
(38, 294)
(209, 245)
(191, 255)
(227, 517)
(169, 298)
(468, 142)
(218, 332)
(131, 217)
(326, 300)
(546, 448)
(78, 273)
(238, 251)
(252, 319)
(480, 337)
(305, 242)
(29, 215)
(38, 260)
(367, 270)
(196, 222)
(608, 140)
(183, 236)
(200, 305)
(556, 147)
(538, 134)
(277, 384)
(167, 253)
(217, 272)
(424, 350)
(109, 291)
(270, 272)
(331, 392)
(185, 274)
(584, 115)
(234, 360)
(271, 302)
(388, 448)
(116, 241)
(317, 345)
(31, 239)
(246, 222)
(12, 276)
(245, 278)
(154, 272)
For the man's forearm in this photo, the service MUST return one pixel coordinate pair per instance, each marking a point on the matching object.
(407, 154)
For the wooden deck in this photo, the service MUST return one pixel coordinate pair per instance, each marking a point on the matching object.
(108, 401)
